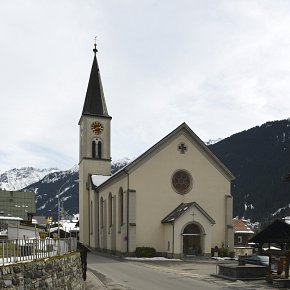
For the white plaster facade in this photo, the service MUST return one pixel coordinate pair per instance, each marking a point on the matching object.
(127, 210)
(148, 197)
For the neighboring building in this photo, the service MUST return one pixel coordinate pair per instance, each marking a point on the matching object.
(68, 228)
(243, 232)
(23, 231)
(176, 197)
(41, 220)
(4, 222)
(17, 204)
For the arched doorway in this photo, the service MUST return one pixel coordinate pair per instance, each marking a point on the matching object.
(192, 240)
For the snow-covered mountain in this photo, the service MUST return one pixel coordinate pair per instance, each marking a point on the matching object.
(120, 163)
(258, 157)
(59, 183)
(16, 179)
(212, 141)
(47, 184)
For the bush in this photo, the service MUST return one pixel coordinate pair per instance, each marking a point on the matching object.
(146, 252)
(223, 252)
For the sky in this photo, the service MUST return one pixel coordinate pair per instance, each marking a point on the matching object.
(221, 66)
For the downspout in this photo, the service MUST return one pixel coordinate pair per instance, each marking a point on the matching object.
(128, 190)
(228, 219)
(172, 240)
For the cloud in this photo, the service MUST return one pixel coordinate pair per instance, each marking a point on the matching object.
(220, 66)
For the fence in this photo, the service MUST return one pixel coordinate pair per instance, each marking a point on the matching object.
(14, 251)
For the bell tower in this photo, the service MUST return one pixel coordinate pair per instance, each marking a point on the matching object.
(94, 147)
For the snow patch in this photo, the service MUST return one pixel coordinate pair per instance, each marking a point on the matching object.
(99, 179)
(212, 141)
(151, 259)
(17, 179)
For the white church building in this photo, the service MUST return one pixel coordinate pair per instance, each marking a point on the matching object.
(175, 197)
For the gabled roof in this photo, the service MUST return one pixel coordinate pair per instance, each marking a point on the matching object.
(183, 127)
(181, 209)
(241, 227)
(95, 104)
(277, 232)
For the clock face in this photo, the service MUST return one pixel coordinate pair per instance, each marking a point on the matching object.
(97, 128)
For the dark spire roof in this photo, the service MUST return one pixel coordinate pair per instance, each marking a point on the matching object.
(95, 103)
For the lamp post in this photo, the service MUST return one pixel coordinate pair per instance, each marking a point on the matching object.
(58, 204)
(58, 208)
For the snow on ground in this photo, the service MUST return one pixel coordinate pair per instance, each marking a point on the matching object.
(151, 259)
(223, 258)
(167, 259)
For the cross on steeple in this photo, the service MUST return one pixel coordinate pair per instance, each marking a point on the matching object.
(182, 148)
(95, 46)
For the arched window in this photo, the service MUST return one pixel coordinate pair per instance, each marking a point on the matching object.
(91, 218)
(101, 212)
(192, 229)
(121, 207)
(99, 149)
(94, 149)
(110, 209)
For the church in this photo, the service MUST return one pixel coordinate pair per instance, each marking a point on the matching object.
(175, 197)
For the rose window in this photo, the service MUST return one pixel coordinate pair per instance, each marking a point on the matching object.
(181, 181)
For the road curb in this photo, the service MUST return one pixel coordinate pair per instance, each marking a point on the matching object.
(93, 282)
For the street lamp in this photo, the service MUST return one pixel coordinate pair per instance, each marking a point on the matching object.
(58, 204)
(58, 208)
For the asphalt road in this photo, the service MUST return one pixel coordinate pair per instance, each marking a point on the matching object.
(120, 274)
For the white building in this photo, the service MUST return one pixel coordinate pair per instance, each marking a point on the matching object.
(175, 197)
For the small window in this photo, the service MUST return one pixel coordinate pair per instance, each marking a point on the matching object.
(240, 239)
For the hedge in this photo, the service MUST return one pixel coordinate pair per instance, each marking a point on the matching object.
(146, 252)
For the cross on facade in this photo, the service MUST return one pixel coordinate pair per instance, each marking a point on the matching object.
(193, 214)
(182, 148)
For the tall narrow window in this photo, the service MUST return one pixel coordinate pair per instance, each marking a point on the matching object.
(99, 149)
(94, 149)
(91, 218)
(110, 210)
(121, 208)
(101, 212)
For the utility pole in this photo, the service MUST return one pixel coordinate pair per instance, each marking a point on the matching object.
(58, 208)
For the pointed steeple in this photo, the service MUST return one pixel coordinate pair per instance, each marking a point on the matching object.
(95, 104)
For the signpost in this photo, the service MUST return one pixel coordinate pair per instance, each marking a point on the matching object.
(216, 254)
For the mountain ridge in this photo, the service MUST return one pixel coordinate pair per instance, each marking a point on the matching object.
(62, 183)
(258, 157)
(18, 178)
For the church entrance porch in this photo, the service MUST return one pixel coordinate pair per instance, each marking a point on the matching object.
(192, 240)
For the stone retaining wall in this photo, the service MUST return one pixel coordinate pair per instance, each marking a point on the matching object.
(55, 273)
